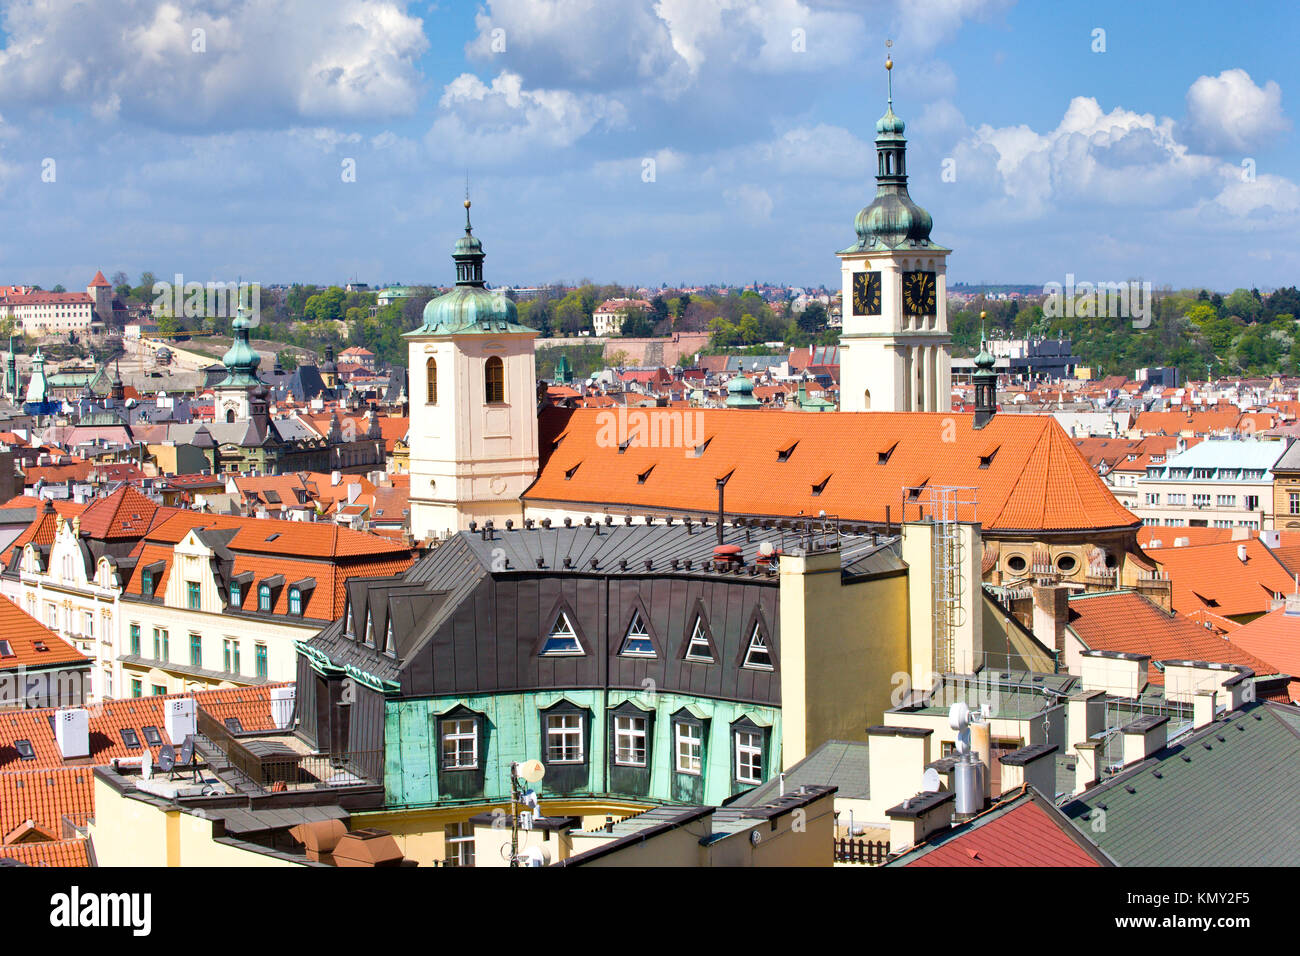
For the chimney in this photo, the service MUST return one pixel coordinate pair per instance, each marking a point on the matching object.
(1203, 704)
(72, 732)
(1034, 765)
(1086, 770)
(1085, 716)
(1241, 553)
(1051, 614)
(335, 477)
(1115, 672)
(897, 757)
(911, 821)
(1144, 737)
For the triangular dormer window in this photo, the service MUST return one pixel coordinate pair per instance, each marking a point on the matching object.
(637, 643)
(757, 655)
(563, 638)
(699, 648)
(370, 629)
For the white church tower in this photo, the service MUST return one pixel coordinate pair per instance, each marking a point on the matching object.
(895, 350)
(473, 394)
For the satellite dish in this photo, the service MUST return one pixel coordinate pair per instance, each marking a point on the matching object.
(187, 752)
(959, 716)
(166, 759)
(930, 781)
(766, 549)
(531, 771)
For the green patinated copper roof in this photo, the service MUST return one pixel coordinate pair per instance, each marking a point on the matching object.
(241, 360)
(892, 220)
(471, 308)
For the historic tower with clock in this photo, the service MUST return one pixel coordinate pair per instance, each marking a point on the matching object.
(895, 350)
(473, 388)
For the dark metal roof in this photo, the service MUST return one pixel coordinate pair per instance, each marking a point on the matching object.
(1216, 802)
(842, 764)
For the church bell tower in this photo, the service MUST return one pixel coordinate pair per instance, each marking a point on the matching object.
(895, 349)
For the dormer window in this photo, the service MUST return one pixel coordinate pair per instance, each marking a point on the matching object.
(563, 637)
(295, 602)
(264, 597)
(698, 648)
(757, 655)
(636, 642)
(370, 630)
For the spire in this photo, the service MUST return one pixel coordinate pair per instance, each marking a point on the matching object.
(986, 381)
(892, 220)
(468, 252)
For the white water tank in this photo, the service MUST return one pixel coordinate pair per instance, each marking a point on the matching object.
(969, 786)
(282, 699)
(180, 719)
(72, 731)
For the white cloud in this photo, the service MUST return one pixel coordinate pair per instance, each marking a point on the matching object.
(754, 203)
(1229, 113)
(486, 125)
(188, 63)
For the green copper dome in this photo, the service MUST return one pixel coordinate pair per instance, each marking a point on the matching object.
(740, 393)
(890, 123)
(892, 220)
(471, 307)
(241, 361)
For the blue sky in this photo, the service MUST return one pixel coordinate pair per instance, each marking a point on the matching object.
(1169, 156)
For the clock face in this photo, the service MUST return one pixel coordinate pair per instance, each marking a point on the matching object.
(866, 293)
(919, 293)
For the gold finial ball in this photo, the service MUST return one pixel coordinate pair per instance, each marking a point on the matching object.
(466, 203)
(889, 64)
(983, 316)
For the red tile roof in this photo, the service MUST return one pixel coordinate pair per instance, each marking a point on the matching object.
(99, 280)
(1275, 637)
(1028, 472)
(252, 705)
(126, 513)
(60, 853)
(1022, 831)
(77, 470)
(45, 796)
(1211, 577)
(1127, 621)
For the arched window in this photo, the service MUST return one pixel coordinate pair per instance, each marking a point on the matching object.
(264, 598)
(494, 379)
(230, 416)
(431, 373)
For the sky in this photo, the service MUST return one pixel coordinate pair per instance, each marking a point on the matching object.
(643, 141)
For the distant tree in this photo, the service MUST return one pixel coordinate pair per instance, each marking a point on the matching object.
(813, 318)
(59, 288)
(288, 361)
(1243, 304)
(637, 324)
(168, 325)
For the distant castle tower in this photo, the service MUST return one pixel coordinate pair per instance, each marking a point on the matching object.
(473, 431)
(895, 350)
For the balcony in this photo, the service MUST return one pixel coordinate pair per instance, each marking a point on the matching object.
(278, 762)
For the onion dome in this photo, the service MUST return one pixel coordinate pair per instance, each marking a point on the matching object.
(471, 307)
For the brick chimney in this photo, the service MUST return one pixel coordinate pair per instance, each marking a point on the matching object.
(1051, 614)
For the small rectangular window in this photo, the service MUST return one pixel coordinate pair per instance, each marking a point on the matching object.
(151, 736)
(192, 594)
(460, 744)
(749, 757)
(564, 738)
(630, 741)
(690, 749)
(130, 739)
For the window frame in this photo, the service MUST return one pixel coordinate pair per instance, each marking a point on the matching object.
(459, 734)
(431, 381)
(565, 724)
(633, 734)
(697, 728)
(494, 380)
